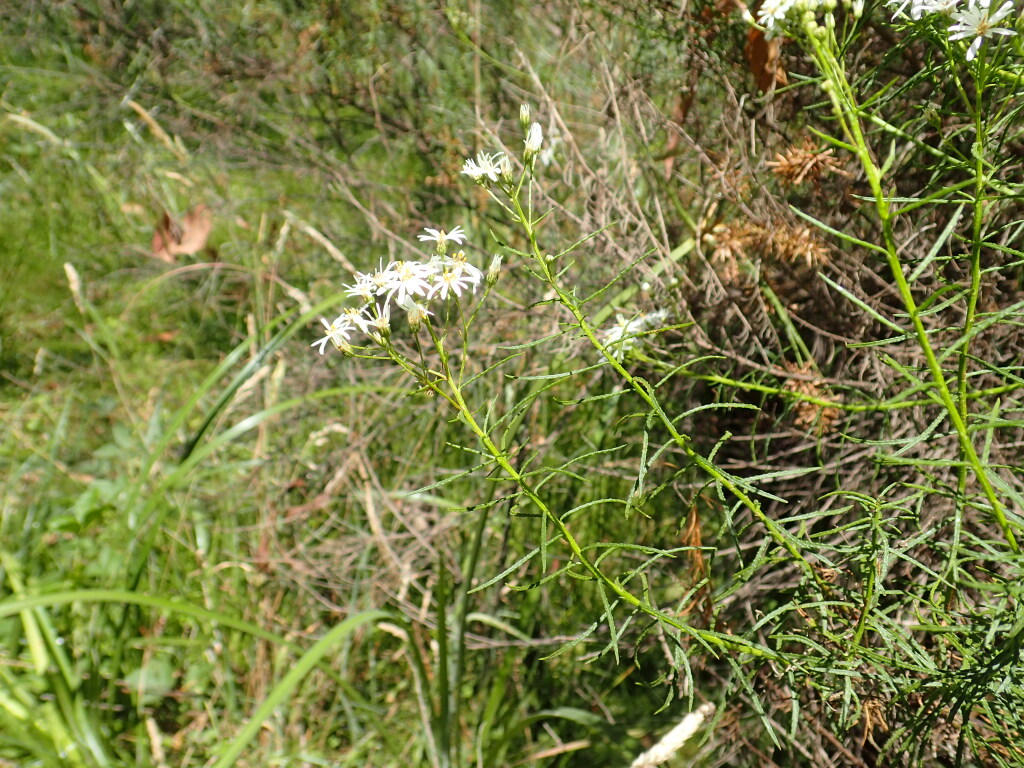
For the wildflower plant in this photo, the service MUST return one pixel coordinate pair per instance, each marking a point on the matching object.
(952, 514)
(443, 297)
(831, 635)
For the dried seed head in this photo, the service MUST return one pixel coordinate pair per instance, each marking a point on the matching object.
(793, 244)
(730, 245)
(803, 163)
(808, 415)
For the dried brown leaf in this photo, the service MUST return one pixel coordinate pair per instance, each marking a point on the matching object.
(171, 239)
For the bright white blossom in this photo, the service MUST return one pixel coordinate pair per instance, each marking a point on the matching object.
(534, 138)
(622, 336)
(451, 280)
(978, 22)
(357, 317)
(407, 278)
(772, 15)
(409, 285)
(363, 287)
(441, 237)
(368, 285)
(782, 17)
(457, 263)
(921, 8)
(337, 333)
(485, 165)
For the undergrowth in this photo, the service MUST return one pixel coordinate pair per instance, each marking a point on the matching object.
(731, 427)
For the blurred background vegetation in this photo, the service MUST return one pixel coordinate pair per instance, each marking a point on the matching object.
(213, 170)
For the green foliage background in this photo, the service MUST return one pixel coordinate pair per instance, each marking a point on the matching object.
(193, 499)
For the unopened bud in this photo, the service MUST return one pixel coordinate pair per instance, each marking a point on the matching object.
(524, 116)
(506, 169)
(494, 270)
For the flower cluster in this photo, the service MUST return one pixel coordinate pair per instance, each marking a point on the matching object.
(974, 18)
(777, 16)
(409, 285)
(622, 336)
(489, 168)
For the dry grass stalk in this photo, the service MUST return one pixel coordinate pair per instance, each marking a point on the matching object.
(674, 740)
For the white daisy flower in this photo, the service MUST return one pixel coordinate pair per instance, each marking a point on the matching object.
(451, 280)
(921, 8)
(407, 278)
(457, 263)
(485, 165)
(357, 317)
(337, 333)
(772, 14)
(976, 21)
(362, 288)
(936, 6)
(457, 235)
(471, 169)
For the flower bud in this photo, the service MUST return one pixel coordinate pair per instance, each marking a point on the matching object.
(494, 270)
(524, 116)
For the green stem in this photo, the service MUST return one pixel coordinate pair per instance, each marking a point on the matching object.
(501, 459)
(644, 391)
(978, 211)
(848, 113)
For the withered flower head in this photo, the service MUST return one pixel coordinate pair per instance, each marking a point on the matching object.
(792, 244)
(807, 415)
(805, 162)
